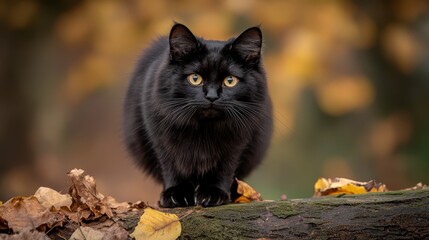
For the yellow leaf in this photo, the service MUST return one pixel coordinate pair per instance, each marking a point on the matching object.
(157, 225)
(242, 199)
(321, 185)
(335, 186)
(246, 193)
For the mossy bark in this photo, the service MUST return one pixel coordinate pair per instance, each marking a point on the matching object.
(391, 215)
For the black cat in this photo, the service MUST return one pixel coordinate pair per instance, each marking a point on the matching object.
(198, 114)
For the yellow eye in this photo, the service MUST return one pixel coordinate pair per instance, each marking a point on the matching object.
(230, 81)
(195, 79)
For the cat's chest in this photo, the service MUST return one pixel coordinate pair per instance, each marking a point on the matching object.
(203, 143)
(204, 138)
(202, 151)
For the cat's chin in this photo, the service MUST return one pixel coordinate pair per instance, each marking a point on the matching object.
(211, 113)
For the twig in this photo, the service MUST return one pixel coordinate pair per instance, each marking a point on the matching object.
(79, 225)
(61, 237)
(55, 225)
(186, 214)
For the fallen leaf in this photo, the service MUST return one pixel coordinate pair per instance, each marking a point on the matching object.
(27, 234)
(157, 225)
(88, 203)
(417, 187)
(85, 195)
(116, 231)
(76, 216)
(118, 207)
(335, 186)
(139, 205)
(242, 199)
(246, 193)
(100, 230)
(83, 233)
(22, 213)
(49, 197)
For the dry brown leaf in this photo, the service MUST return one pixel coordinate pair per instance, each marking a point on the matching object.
(88, 203)
(116, 231)
(104, 230)
(27, 234)
(246, 193)
(138, 205)
(417, 187)
(27, 213)
(85, 195)
(118, 207)
(157, 225)
(335, 186)
(49, 197)
(76, 216)
(83, 233)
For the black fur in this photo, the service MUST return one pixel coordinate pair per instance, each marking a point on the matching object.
(193, 145)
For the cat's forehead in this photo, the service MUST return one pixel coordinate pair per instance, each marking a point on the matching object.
(215, 58)
(214, 45)
(211, 56)
(213, 62)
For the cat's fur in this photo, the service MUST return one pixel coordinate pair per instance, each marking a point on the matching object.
(197, 139)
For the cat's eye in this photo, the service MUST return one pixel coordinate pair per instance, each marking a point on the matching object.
(230, 81)
(195, 79)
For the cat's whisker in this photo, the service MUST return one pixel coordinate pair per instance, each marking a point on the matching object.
(180, 115)
(240, 122)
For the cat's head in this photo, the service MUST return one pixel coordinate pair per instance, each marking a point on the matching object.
(214, 79)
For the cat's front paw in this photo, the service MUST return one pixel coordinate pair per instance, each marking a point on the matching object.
(209, 196)
(177, 196)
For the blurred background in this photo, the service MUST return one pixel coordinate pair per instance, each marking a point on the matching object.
(349, 82)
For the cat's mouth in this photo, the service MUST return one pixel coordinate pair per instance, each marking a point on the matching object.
(211, 111)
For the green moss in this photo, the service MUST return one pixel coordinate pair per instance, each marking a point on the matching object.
(236, 212)
(206, 226)
(283, 209)
(224, 221)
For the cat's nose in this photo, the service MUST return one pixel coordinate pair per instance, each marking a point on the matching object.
(212, 94)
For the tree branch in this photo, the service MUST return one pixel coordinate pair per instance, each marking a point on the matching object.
(389, 215)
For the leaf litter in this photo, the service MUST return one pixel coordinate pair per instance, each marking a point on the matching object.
(90, 212)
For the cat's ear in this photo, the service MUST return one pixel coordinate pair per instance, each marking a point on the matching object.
(182, 42)
(248, 45)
